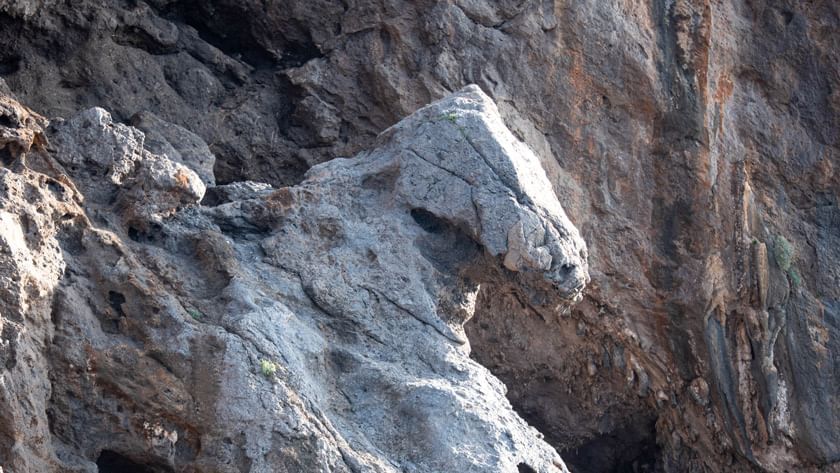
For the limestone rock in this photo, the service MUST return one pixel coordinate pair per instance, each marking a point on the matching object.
(306, 328)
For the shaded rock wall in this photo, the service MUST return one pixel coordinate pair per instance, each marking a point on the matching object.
(693, 143)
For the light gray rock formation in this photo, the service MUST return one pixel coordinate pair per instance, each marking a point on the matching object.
(176, 143)
(309, 328)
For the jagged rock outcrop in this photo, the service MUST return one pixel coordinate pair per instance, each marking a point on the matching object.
(309, 328)
(694, 144)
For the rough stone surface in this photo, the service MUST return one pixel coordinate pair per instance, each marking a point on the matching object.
(309, 328)
(176, 143)
(692, 142)
(22, 129)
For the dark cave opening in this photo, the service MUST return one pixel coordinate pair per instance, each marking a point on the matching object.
(630, 448)
(525, 468)
(116, 300)
(229, 27)
(428, 221)
(593, 421)
(8, 121)
(113, 462)
(226, 27)
(9, 62)
(6, 157)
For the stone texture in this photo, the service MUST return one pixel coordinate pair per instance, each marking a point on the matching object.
(686, 140)
(309, 328)
(22, 129)
(176, 143)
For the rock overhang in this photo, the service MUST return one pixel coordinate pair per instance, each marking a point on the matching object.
(494, 188)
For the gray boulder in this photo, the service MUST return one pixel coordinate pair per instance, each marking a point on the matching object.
(177, 143)
(309, 328)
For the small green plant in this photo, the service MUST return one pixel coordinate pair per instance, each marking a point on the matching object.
(795, 278)
(268, 368)
(451, 116)
(783, 252)
(195, 314)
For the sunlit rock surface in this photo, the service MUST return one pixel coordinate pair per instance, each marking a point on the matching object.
(309, 328)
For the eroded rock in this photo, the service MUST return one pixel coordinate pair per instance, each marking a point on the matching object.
(295, 329)
(176, 143)
(678, 135)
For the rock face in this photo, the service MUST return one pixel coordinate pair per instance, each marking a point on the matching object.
(694, 144)
(309, 328)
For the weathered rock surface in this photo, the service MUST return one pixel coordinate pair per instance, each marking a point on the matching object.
(694, 143)
(309, 328)
(176, 143)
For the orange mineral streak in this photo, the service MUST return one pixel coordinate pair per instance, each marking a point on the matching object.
(702, 46)
(182, 178)
(724, 88)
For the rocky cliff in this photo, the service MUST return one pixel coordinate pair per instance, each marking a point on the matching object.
(193, 281)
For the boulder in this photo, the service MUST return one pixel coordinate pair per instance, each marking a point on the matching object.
(305, 328)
